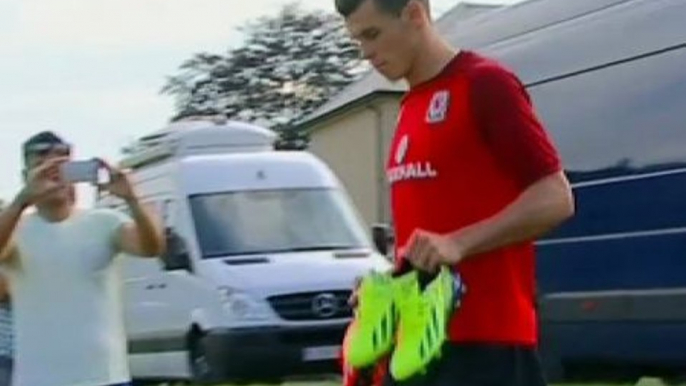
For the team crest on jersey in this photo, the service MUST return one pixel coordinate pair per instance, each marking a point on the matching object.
(438, 108)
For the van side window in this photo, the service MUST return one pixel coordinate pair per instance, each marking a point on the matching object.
(616, 127)
(625, 119)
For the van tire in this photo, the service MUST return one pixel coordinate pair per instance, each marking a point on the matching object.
(143, 382)
(200, 365)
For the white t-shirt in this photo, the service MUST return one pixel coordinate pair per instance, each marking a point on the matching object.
(66, 298)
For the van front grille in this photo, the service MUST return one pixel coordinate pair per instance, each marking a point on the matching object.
(322, 305)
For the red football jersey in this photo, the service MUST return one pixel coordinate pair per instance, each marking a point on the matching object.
(466, 145)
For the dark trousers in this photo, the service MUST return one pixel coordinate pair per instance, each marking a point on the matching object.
(480, 365)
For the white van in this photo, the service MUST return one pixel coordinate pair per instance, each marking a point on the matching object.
(264, 247)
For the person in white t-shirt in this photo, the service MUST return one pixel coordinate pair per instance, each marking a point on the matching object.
(63, 274)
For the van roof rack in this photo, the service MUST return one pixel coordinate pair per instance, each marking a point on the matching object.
(198, 136)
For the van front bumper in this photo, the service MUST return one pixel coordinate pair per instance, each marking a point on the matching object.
(273, 352)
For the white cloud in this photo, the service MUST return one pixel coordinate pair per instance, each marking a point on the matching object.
(75, 104)
(131, 24)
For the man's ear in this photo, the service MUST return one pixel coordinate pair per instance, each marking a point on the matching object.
(24, 174)
(417, 13)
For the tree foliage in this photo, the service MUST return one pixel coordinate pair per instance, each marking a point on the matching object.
(288, 65)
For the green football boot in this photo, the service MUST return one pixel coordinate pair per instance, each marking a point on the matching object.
(424, 317)
(371, 333)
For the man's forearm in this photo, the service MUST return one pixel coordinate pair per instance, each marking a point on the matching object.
(9, 218)
(538, 210)
(149, 235)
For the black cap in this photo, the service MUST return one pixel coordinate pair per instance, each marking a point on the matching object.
(42, 141)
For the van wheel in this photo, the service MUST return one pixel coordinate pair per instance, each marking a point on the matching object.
(199, 362)
(142, 382)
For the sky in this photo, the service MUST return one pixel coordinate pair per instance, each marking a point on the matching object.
(91, 70)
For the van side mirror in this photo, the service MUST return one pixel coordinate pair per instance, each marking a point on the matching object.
(176, 255)
(383, 238)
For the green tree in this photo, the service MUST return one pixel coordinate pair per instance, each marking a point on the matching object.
(289, 64)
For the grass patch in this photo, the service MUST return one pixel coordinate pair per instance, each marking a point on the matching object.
(315, 383)
(642, 382)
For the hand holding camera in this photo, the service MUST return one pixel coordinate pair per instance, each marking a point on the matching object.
(117, 182)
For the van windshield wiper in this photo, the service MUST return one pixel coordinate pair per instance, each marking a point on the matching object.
(312, 248)
(321, 248)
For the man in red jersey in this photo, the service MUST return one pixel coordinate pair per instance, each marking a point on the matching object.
(474, 180)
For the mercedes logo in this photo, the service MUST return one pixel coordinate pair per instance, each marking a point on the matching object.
(325, 305)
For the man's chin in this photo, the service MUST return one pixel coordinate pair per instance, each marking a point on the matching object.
(391, 77)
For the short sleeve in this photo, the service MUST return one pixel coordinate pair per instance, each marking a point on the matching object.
(111, 221)
(506, 117)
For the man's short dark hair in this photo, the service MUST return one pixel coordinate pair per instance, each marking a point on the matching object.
(42, 139)
(394, 7)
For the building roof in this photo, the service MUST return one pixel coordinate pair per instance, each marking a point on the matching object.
(471, 26)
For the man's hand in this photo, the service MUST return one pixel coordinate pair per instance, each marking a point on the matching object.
(119, 184)
(352, 300)
(428, 251)
(42, 181)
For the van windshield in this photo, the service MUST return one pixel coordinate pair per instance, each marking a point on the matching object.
(275, 221)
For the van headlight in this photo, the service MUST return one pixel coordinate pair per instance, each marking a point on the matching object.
(243, 307)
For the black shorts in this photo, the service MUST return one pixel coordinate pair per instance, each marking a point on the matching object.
(480, 365)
